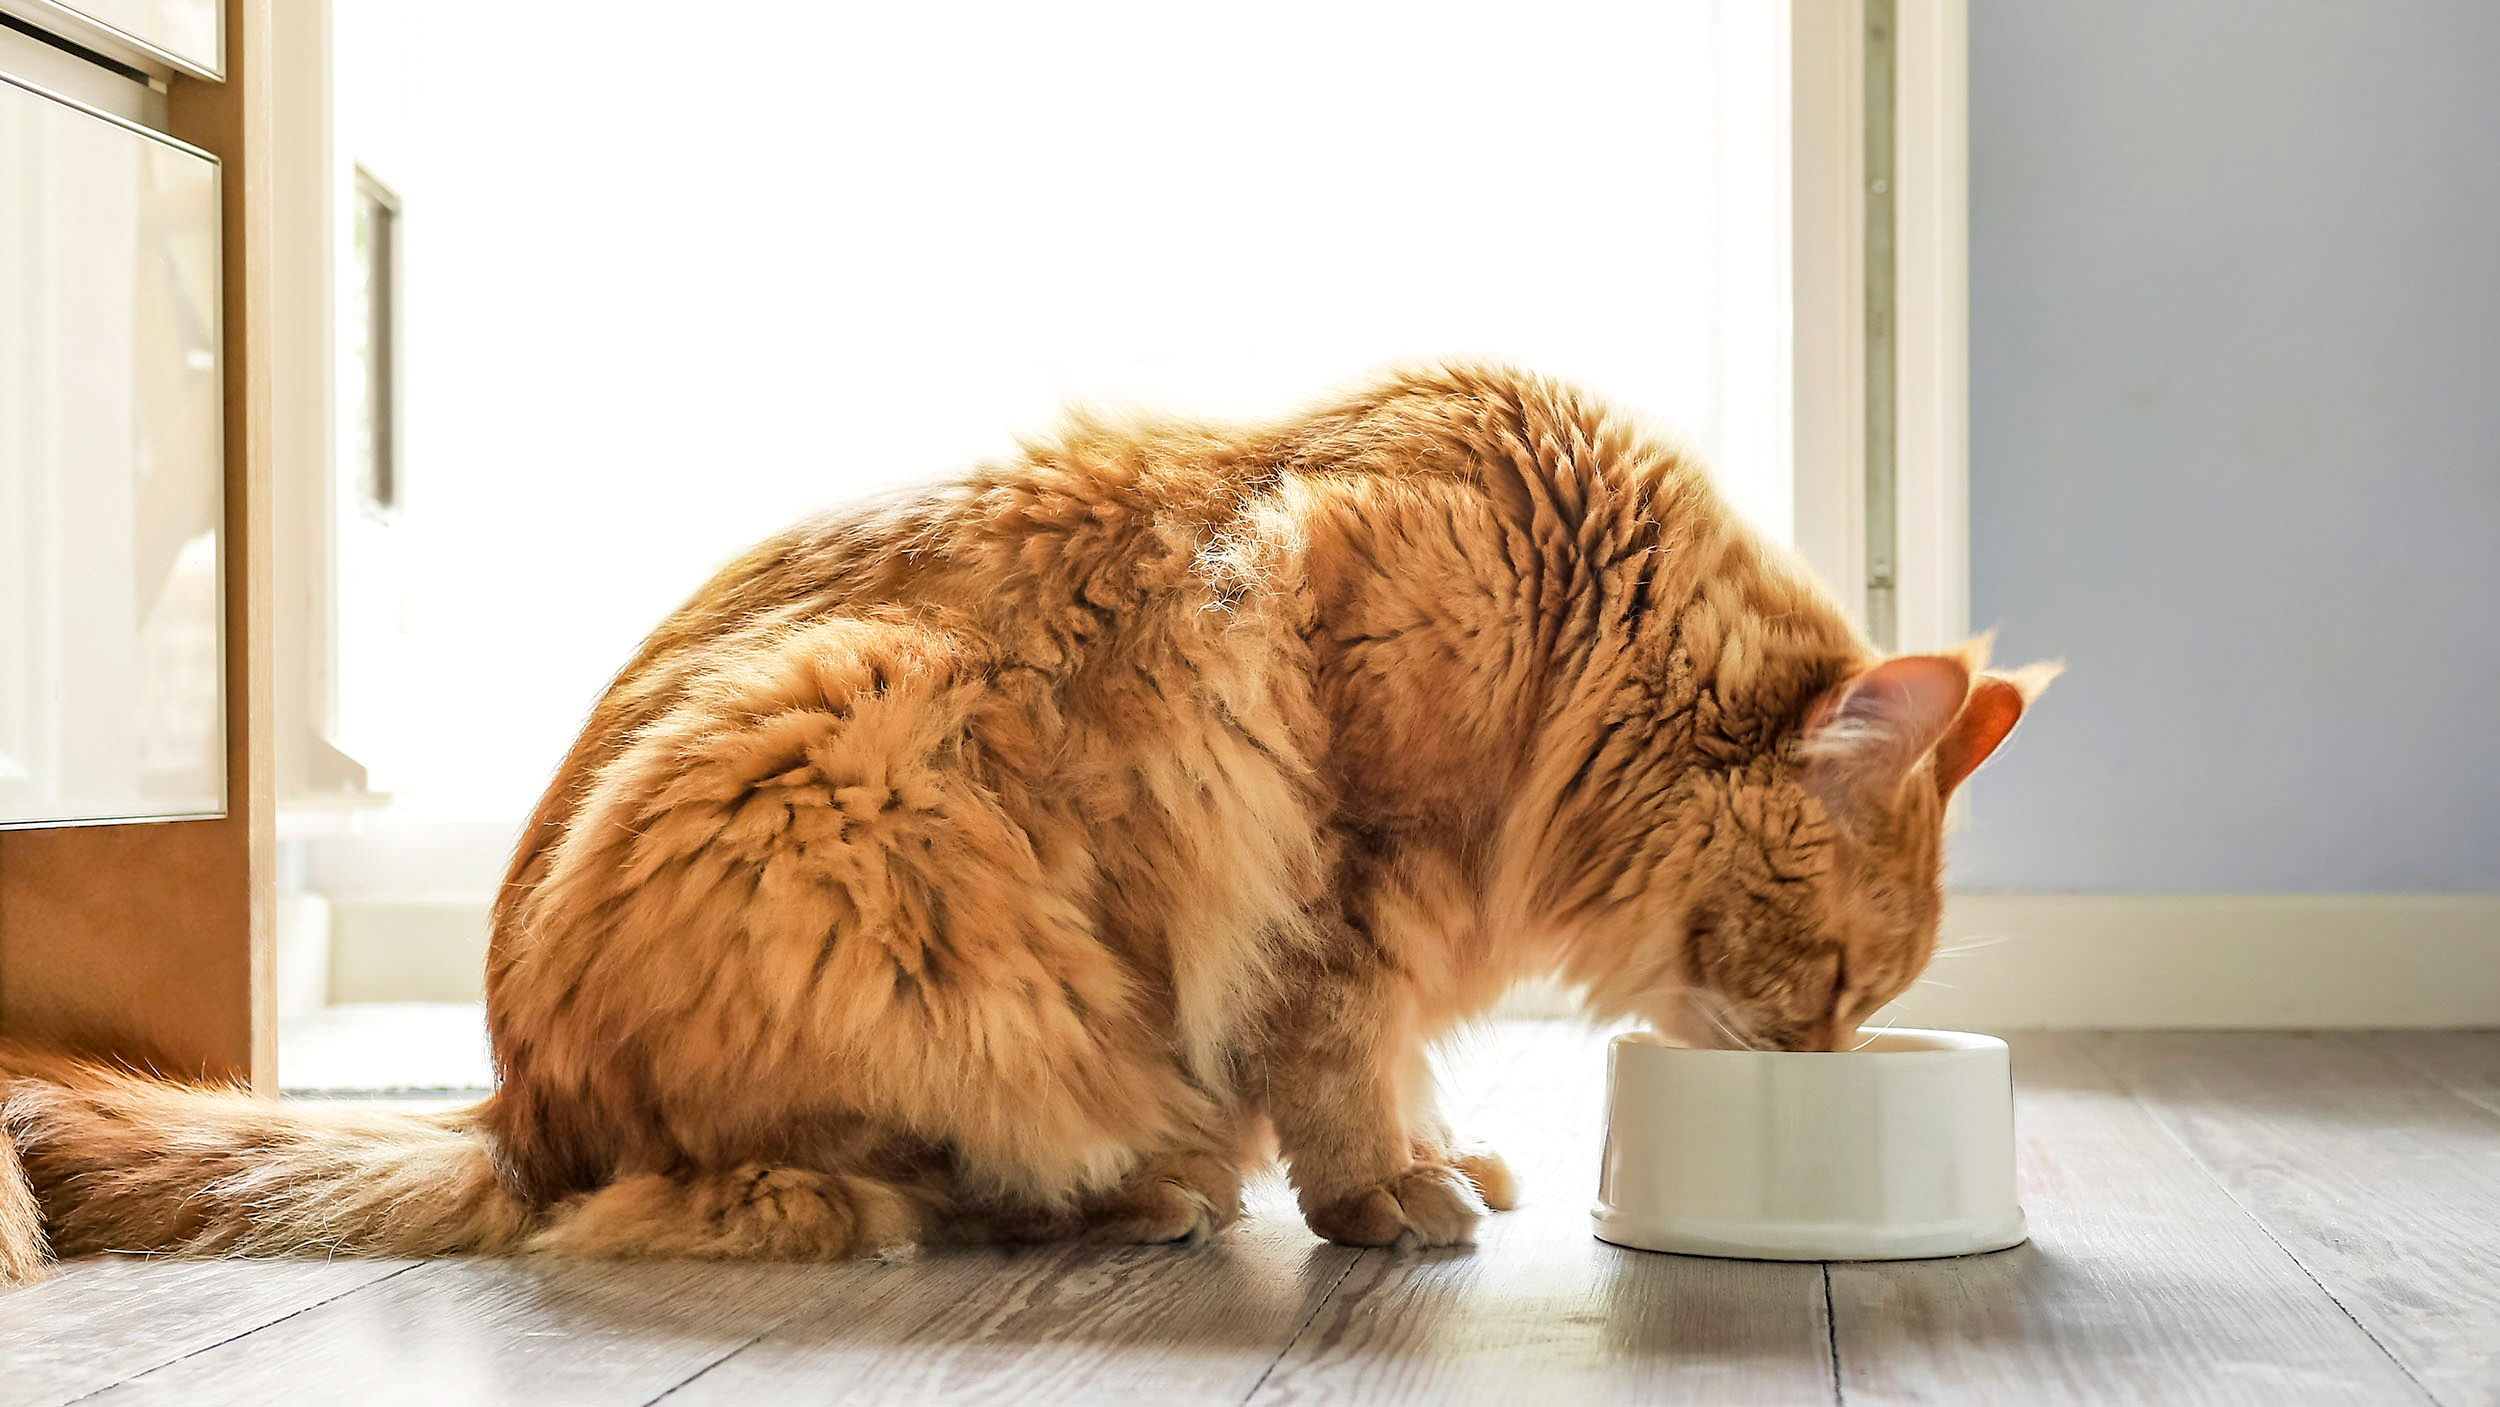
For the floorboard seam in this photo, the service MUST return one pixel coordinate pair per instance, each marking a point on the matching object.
(760, 1335)
(1831, 1336)
(796, 1313)
(1307, 1321)
(247, 1333)
(2153, 1111)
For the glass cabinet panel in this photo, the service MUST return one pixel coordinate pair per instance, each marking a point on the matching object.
(183, 33)
(111, 571)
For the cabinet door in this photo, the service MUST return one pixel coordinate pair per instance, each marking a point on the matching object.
(111, 570)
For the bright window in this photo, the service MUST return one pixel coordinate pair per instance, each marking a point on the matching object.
(765, 267)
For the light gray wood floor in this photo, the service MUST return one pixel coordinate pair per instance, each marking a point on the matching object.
(2258, 1218)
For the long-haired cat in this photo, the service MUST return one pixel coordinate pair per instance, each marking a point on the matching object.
(1033, 857)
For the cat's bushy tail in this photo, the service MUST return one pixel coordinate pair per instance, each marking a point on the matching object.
(21, 1226)
(116, 1161)
(103, 1160)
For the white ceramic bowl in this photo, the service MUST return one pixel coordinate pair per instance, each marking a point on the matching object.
(1901, 1149)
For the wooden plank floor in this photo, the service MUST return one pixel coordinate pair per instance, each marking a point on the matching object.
(2225, 1218)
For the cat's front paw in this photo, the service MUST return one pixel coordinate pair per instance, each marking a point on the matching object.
(1488, 1174)
(1156, 1212)
(1429, 1204)
(1480, 1165)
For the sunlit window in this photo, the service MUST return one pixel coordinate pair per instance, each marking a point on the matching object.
(640, 333)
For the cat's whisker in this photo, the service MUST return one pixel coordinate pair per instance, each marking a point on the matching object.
(1716, 1007)
(1735, 1039)
(1876, 1034)
(1972, 945)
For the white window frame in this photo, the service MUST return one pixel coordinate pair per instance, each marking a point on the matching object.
(1931, 403)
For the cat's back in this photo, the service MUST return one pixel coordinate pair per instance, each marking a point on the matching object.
(1107, 510)
(1108, 536)
(1113, 509)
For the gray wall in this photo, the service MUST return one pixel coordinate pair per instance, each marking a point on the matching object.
(2235, 453)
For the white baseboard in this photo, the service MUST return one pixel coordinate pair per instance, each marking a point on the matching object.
(2184, 961)
(2010, 961)
(408, 948)
(302, 926)
(2013, 961)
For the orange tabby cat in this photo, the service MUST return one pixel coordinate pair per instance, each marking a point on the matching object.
(1031, 857)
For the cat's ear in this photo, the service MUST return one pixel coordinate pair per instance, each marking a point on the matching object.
(1996, 704)
(1865, 734)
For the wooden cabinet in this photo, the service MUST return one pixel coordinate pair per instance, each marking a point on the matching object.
(111, 539)
(135, 280)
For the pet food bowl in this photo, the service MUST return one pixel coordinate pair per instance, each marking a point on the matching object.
(1898, 1150)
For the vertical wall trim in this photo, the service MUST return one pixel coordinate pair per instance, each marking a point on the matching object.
(1930, 328)
(1827, 252)
(1880, 345)
(1882, 381)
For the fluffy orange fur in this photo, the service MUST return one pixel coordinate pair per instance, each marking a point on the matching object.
(1036, 856)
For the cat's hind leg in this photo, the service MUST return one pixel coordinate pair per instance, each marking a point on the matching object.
(827, 885)
(751, 1212)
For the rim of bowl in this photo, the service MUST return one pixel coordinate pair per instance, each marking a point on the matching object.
(1933, 1043)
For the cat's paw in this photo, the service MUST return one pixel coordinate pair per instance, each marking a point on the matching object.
(1184, 1196)
(1429, 1204)
(1153, 1212)
(1488, 1174)
(1478, 1163)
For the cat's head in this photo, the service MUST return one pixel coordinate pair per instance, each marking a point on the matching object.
(1815, 883)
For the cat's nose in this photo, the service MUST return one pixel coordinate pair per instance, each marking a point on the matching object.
(1826, 1034)
(1786, 1035)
